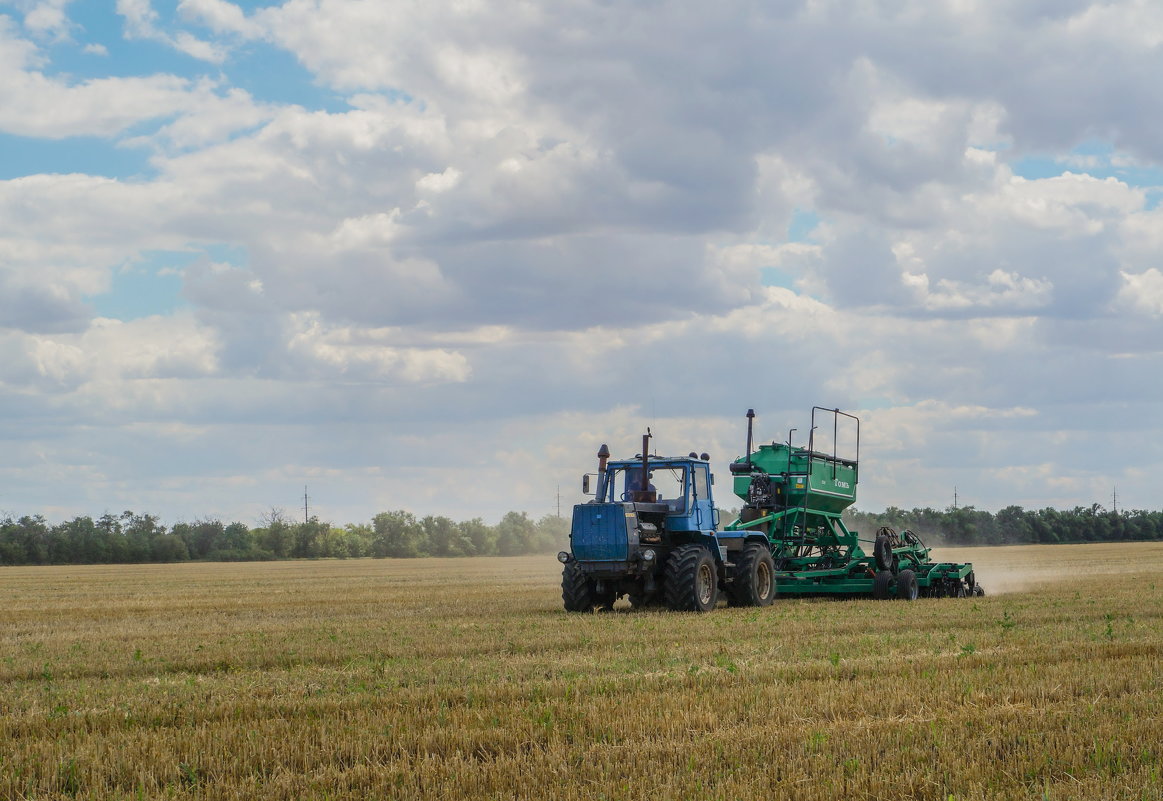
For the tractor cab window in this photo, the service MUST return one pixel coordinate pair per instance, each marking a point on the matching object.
(701, 482)
(668, 482)
(630, 481)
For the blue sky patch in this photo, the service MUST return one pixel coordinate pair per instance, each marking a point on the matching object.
(1096, 159)
(268, 73)
(773, 276)
(152, 285)
(93, 24)
(276, 76)
(803, 222)
(91, 155)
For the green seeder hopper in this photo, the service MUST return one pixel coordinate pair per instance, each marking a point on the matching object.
(793, 499)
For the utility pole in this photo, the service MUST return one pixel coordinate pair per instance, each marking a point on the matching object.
(1115, 499)
(954, 496)
(306, 519)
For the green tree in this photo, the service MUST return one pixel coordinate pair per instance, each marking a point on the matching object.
(78, 541)
(184, 532)
(169, 548)
(516, 534)
(959, 526)
(205, 537)
(359, 539)
(135, 533)
(445, 538)
(482, 536)
(32, 533)
(236, 537)
(398, 535)
(308, 539)
(11, 552)
(334, 544)
(552, 534)
(1047, 525)
(276, 536)
(1013, 525)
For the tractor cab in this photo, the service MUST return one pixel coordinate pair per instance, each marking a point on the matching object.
(677, 488)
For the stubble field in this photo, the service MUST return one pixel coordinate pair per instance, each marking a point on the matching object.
(463, 679)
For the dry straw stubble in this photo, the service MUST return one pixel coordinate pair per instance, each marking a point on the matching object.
(463, 679)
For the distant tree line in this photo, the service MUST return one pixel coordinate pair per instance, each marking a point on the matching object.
(131, 538)
(1013, 525)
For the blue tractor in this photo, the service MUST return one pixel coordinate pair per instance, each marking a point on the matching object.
(650, 534)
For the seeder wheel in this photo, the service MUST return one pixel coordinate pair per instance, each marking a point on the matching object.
(906, 585)
(882, 552)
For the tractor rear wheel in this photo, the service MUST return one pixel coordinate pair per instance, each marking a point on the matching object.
(906, 585)
(690, 581)
(880, 585)
(579, 593)
(754, 578)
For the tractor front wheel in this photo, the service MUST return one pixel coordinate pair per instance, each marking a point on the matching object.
(579, 593)
(754, 578)
(691, 581)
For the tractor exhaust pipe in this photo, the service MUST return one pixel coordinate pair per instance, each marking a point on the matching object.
(750, 423)
(744, 467)
(603, 457)
(646, 464)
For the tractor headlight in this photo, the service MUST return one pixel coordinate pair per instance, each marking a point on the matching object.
(648, 555)
(563, 557)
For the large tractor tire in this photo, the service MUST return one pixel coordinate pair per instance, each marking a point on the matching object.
(882, 551)
(579, 593)
(881, 584)
(753, 579)
(691, 581)
(906, 586)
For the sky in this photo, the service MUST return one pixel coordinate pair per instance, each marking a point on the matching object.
(431, 255)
